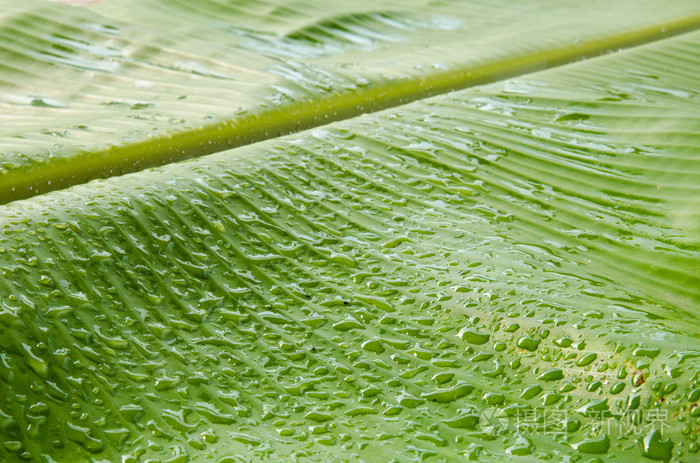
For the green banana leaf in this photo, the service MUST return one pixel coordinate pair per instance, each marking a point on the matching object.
(510, 271)
(143, 83)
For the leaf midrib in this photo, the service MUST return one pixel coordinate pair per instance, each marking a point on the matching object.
(256, 127)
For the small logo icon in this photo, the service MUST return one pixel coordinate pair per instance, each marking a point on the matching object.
(493, 420)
